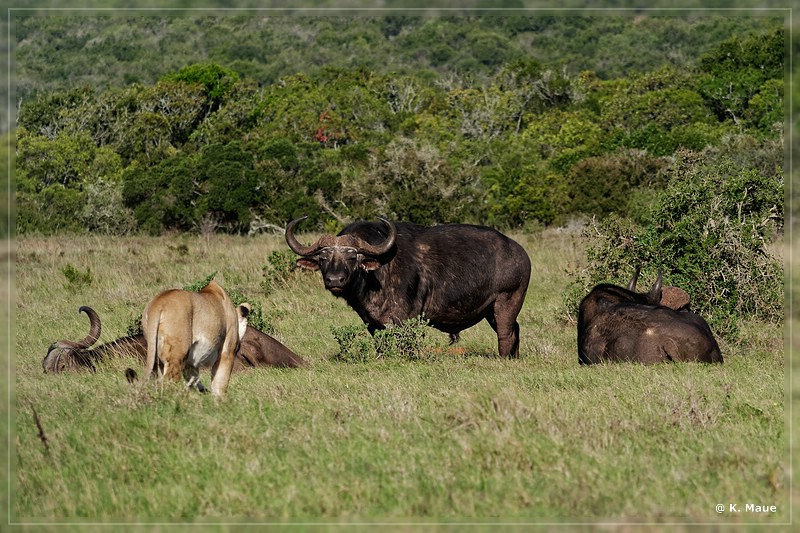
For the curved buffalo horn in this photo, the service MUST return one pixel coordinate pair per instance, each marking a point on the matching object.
(94, 332)
(654, 296)
(94, 327)
(69, 351)
(294, 244)
(632, 284)
(385, 246)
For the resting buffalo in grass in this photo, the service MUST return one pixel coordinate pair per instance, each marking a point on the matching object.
(257, 349)
(453, 275)
(617, 324)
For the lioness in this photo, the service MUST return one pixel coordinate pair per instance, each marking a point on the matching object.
(188, 330)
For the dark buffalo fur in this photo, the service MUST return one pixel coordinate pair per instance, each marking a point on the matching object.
(257, 349)
(453, 275)
(617, 324)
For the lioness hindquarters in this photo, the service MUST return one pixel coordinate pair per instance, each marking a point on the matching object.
(188, 330)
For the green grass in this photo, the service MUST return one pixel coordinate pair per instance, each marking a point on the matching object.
(454, 437)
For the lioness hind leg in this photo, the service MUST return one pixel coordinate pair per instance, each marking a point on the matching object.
(221, 371)
(173, 354)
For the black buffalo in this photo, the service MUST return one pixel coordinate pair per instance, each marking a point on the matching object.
(617, 324)
(454, 275)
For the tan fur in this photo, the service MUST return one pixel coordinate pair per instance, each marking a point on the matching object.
(189, 330)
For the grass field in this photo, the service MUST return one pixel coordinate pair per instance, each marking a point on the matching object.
(462, 437)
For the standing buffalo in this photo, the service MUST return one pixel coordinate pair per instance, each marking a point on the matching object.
(616, 324)
(257, 349)
(453, 275)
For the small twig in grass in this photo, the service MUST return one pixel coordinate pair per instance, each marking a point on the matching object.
(42, 436)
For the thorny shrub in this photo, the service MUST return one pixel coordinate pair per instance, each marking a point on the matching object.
(407, 340)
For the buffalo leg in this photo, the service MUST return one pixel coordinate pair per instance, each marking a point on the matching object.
(503, 319)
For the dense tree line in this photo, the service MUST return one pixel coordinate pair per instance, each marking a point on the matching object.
(57, 52)
(208, 147)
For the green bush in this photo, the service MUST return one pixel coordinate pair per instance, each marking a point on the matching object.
(75, 278)
(507, 145)
(104, 211)
(604, 184)
(56, 209)
(355, 343)
(257, 318)
(231, 184)
(406, 341)
(279, 269)
(162, 196)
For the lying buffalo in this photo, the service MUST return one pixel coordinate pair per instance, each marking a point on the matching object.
(617, 324)
(454, 275)
(257, 349)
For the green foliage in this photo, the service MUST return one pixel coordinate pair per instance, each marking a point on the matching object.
(7, 207)
(538, 195)
(199, 284)
(355, 343)
(280, 268)
(766, 108)
(163, 196)
(739, 70)
(56, 209)
(104, 212)
(62, 52)
(257, 318)
(605, 184)
(520, 187)
(65, 159)
(408, 340)
(657, 111)
(217, 80)
(231, 185)
(415, 181)
(565, 137)
(76, 279)
(474, 130)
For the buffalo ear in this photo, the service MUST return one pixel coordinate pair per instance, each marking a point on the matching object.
(368, 263)
(307, 263)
